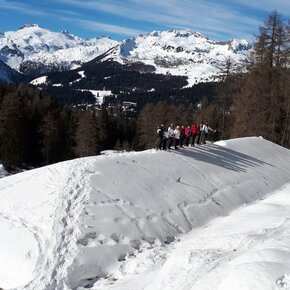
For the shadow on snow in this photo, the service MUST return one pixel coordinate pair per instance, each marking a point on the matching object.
(223, 157)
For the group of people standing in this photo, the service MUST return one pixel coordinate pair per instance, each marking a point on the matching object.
(182, 136)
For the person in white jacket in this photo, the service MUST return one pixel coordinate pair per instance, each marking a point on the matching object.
(176, 137)
(170, 136)
(204, 132)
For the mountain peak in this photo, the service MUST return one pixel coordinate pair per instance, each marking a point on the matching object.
(34, 49)
(178, 33)
(239, 45)
(186, 33)
(29, 26)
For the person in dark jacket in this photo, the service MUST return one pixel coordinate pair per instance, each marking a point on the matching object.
(160, 134)
(182, 136)
(165, 138)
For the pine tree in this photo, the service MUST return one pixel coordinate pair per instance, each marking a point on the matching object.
(87, 138)
(14, 146)
(149, 118)
(49, 133)
(228, 71)
(260, 108)
(271, 42)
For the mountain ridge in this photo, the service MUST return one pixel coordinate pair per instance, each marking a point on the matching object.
(31, 45)
(33, 50)
(181, 52)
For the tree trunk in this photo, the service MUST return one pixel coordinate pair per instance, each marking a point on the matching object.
(286, 125)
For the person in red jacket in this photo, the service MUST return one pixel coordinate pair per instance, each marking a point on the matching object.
(187, 133)
(194, 132)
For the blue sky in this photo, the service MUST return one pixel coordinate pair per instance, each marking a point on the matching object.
(121, 19)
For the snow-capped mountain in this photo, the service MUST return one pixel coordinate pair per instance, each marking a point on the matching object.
(214, 217)
(32, 49)
(180, 52)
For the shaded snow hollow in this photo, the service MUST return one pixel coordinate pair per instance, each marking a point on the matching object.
(210, 217)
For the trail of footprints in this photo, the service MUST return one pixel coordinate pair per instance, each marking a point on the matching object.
(129, 215)
(93, 239)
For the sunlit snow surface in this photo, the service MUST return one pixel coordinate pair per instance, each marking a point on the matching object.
(39, 81)
(210, 217)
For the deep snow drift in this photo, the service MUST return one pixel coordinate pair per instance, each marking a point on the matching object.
(210, 217)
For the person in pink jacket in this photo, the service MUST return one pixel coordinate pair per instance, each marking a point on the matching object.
(187, 133)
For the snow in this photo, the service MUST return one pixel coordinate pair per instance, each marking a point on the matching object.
(234, 252)
(33, 43)
(39, 81)
(99, 94)
(3, 172)
(213, 217)
(178, 52)
(181, 52)
(82, 73)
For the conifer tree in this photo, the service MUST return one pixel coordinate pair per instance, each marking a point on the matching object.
(227, 73)
(260, 108)
(14, 145)
(87, 142)
(149, 118)
(49, 133)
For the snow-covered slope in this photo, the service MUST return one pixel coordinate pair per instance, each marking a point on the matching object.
(32, 46)
(249, 249)
(181, 52)
(150, 220)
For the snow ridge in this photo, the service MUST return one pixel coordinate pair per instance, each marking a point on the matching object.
(112, 222)
(74, 194)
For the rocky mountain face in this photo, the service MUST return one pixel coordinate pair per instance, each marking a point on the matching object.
(35, 51)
